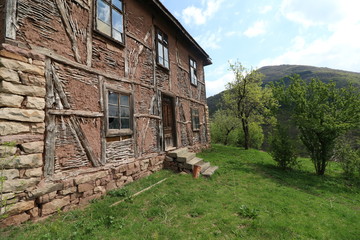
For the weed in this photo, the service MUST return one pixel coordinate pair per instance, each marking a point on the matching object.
(247, 212)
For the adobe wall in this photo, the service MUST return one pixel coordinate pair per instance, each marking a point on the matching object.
(53, 82)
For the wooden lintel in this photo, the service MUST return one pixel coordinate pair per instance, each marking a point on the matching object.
(80, 113)
(147, 116)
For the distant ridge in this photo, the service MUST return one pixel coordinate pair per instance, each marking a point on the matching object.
(276, 73)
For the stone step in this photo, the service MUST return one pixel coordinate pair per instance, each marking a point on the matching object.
(185, 157)
(204, 166)
(175, 153)
(210, 171)
(189, 165)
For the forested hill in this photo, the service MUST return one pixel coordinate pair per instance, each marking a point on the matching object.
(275, 73)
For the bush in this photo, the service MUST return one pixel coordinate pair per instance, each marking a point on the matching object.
(282, 148)
(348, 157)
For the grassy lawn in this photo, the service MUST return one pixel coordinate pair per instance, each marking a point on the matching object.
(248, 198)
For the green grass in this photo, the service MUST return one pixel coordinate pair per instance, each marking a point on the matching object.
(248, 198)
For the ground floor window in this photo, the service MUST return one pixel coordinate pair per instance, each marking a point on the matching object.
(195, 119)
(118, 113)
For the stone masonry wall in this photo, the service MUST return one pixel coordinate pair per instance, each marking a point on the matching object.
(22, 92)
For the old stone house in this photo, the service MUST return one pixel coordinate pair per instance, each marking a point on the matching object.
(93, 93)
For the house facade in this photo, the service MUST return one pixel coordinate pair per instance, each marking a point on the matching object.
(92, 95)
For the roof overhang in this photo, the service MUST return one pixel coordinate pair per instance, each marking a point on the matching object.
(170, 17)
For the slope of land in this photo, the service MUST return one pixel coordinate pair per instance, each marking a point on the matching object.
(248, 198)
(276, 73)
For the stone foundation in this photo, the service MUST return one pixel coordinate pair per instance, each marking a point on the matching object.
(33, 198)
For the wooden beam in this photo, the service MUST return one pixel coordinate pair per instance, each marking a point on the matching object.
(49, 166)
(59, 89)
(80, 113)
(147, 116)
(89, 39)
(10, 19)
(70, 32)
(74, 123)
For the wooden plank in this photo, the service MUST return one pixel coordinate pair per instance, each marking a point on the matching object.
(104, 120)
(59, 88)
(147, 116)
(80, 113)
(89, 39)
(10, 19)
(49, 166)
(65, 18)
(50, 97)
(84, 142)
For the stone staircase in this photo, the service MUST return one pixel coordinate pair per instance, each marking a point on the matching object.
(186, 161)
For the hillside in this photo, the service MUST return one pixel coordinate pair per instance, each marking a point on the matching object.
(275, 73)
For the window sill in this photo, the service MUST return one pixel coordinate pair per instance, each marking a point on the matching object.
(116, 133)
(116, 42)
(163, 68)
(194, 85)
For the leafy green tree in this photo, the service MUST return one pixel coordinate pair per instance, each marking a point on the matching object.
(246, 98)
(321, 112)
(223, 124)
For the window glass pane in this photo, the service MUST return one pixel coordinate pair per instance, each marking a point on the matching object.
(160, 51)
(113, 98)
(125, 123)
(103, 27)
(117, 35)
(159, 36)
(117, 21)
(124, 100)
(117, 4)
(114, 123)
(166, 58)
(113, 111)
(103, 12)
(125, 112)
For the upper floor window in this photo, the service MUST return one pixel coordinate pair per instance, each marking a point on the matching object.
(110, 18)
(162, 47)
(193, 71)
(119, 113)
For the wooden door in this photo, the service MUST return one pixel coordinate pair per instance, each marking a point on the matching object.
(168, 123)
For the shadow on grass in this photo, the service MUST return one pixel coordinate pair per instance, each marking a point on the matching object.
(308, 182)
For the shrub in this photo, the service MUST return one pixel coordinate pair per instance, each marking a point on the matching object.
(282, 148)
(348, 157)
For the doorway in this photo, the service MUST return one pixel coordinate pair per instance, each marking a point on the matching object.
(168, 122)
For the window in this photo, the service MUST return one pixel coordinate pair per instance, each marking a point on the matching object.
(193, 71)
(118, 113)
(162, 46)
(195, 119)
(110, 19)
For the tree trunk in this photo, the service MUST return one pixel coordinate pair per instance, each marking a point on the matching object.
(246, 133)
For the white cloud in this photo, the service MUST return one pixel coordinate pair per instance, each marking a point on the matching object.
(340, 50)
(199, 16)
(265, 9)
(257, 29)
(342, 46)
(320, 12)
(218, 85)
(210, 40)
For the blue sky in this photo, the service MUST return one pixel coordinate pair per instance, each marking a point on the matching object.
(322, 33)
